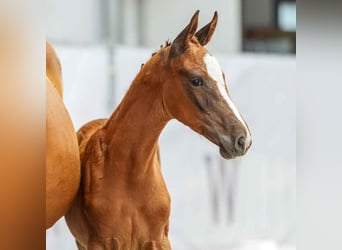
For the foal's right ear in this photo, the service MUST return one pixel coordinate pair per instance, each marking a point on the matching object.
(181, 42)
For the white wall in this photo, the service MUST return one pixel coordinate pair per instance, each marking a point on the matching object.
(76, 21)
(165, 19)
(82, 21)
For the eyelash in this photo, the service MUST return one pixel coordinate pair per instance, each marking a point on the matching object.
(197, 81)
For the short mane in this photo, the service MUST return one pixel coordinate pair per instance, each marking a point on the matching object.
(163, 46)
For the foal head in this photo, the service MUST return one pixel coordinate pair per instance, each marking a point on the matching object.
(195, 92)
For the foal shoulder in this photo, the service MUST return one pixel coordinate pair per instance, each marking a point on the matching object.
(92, 148)
(86, 131)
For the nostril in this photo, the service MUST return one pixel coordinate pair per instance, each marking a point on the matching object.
(240, 144)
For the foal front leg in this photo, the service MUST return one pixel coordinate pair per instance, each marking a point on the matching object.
(95, 245)
(110, 244)
(157, 245)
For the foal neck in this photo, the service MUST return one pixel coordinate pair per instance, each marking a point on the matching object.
(133, 130)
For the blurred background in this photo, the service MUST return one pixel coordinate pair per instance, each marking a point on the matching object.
(243, 204)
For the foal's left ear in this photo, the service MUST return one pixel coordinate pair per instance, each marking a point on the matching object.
(182, 40)
(204, 35)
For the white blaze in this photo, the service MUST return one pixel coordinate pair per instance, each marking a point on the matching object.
(215, 72)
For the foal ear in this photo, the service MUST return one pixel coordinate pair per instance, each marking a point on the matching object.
(182, 40)
(204, 35)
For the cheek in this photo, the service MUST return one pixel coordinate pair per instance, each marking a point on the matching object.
(200, 100)
(186, 109)
(203, 98)
(175, 99)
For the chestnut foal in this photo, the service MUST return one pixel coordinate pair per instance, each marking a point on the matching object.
(123, 202)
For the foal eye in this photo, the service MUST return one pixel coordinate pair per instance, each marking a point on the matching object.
(198, 81)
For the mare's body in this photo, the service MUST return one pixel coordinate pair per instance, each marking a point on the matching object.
(62, 153)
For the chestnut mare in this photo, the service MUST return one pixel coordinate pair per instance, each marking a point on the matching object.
(123, 202)
(62, 152)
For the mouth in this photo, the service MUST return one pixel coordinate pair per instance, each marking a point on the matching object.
(224, 145)
(225, 153)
